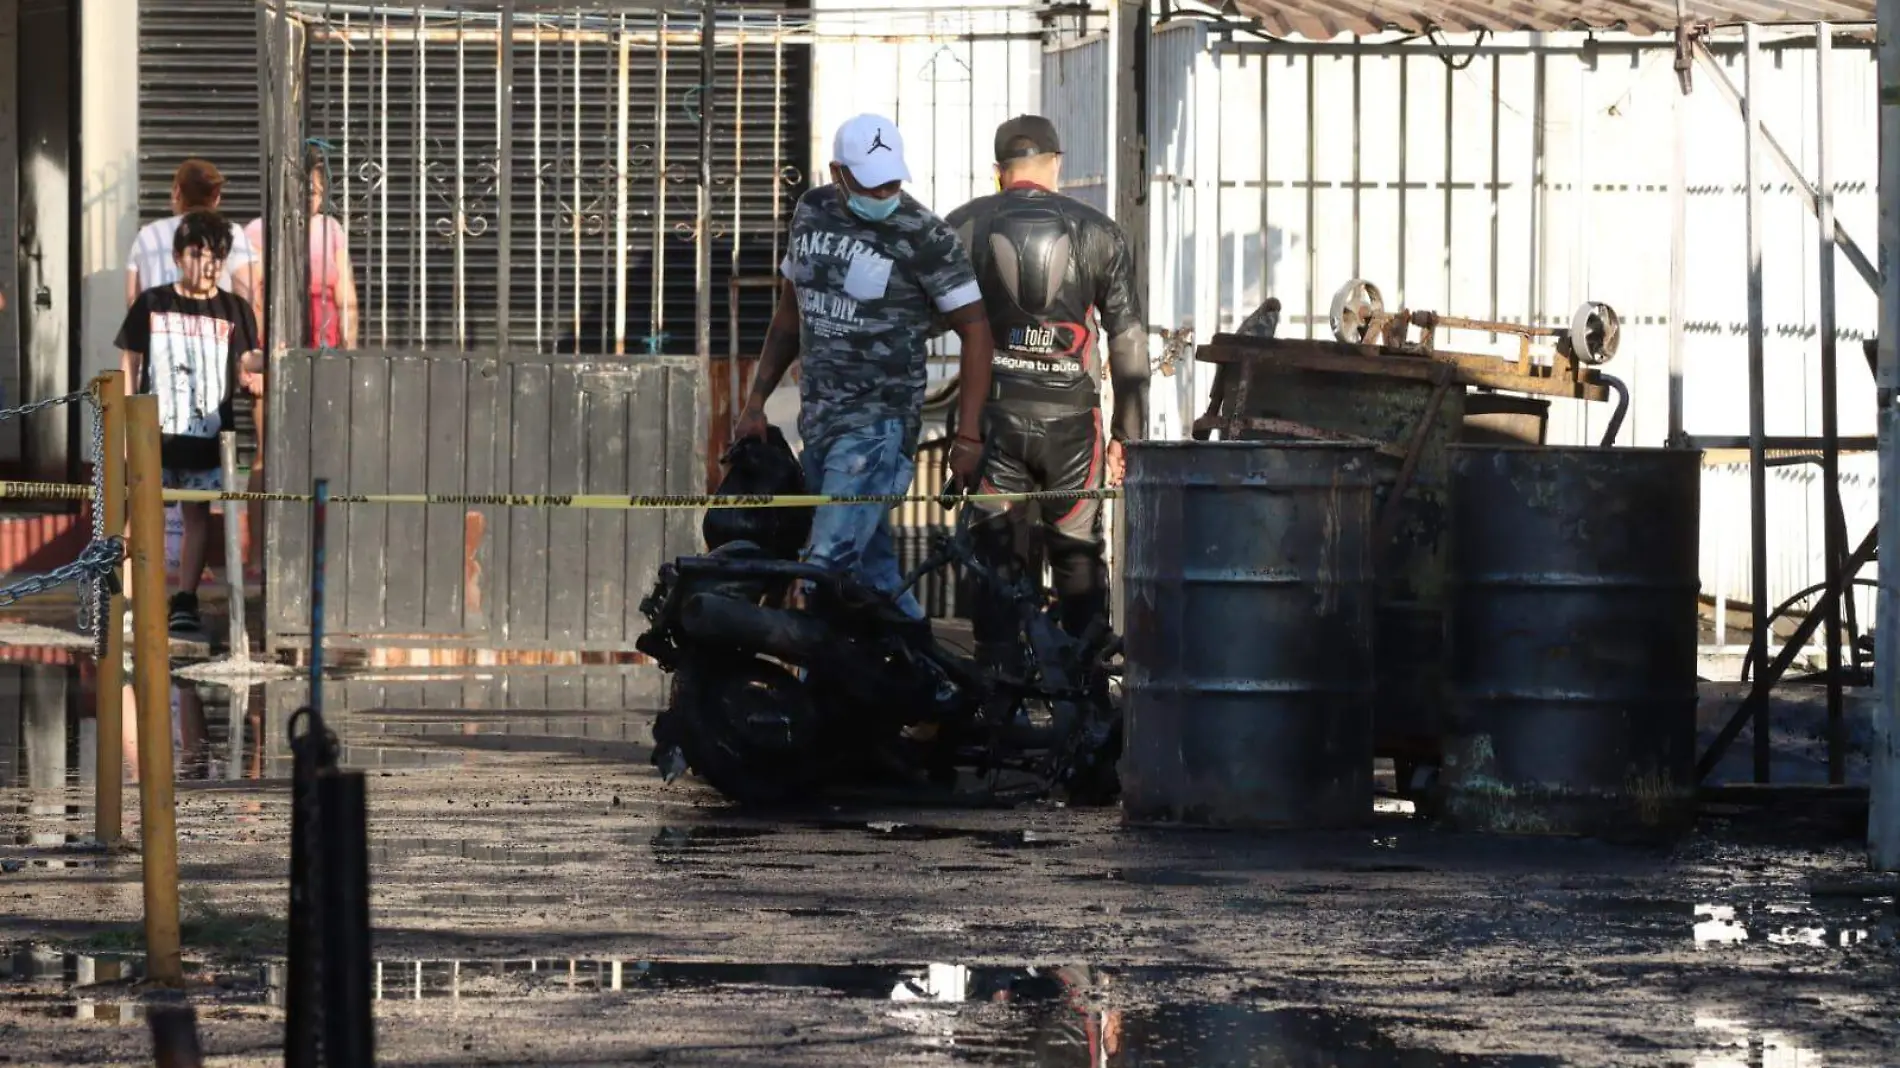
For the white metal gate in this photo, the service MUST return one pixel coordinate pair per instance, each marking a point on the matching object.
(1184, 223)
(1512, 179)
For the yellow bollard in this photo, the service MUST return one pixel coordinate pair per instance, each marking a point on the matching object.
(152, 683)
(109, 781)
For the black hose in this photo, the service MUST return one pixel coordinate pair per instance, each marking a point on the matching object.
(1787, 606)
(1622, 408)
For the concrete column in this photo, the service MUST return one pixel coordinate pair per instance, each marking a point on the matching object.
(10, 274)
(109, 172)
(43, 296)
(1883, 824)
(1128, 205)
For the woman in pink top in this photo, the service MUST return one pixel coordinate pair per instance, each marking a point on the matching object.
(333, 322)
(332, 282)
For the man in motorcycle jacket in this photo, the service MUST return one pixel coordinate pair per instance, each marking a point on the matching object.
(1045, 263)
(866, 271)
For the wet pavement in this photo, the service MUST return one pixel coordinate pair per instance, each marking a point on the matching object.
(541, 898)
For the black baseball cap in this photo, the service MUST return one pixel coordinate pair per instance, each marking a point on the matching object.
(1038, 131)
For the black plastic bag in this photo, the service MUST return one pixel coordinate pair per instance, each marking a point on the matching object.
(761, 466)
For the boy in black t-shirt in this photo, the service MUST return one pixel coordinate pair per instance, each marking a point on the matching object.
(187, 344)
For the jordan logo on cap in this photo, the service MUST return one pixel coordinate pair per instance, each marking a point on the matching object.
(877, 142)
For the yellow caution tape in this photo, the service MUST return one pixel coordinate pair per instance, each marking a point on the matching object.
(73, 491)
(44, 491)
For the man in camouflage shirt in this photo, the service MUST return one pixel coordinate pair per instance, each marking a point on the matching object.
(867, 270)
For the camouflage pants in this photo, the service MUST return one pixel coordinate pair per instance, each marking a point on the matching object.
(857, 537)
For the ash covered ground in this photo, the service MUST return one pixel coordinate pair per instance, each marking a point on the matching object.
(540, 897)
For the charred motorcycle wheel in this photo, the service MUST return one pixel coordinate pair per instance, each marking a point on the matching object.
(1092, 773)
(1096, 781)
(748, 728)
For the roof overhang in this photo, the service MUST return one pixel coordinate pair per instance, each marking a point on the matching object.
(1322, 20)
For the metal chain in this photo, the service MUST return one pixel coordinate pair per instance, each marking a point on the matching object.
(25, 410)
(94, 598)
(98, 560)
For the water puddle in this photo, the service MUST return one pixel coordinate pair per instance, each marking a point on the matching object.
(1221, 1035)
(1049, 1015)
(49, 728)
(1835, 925)
(10, 865)
(895, 831)
(98, 986)
(49, 741)
(1732, 1043)
(389, 849)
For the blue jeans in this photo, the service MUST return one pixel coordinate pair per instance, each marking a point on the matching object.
(857, 537)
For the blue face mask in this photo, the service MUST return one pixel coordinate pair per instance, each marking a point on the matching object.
(871, 209)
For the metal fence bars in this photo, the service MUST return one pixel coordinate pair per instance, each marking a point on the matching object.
(1250, 598)
(585, 181)
(482, 576)
(1573, 640)
(546, 180)
(552, 171)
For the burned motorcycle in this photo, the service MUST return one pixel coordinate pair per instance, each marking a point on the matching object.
(772, 703)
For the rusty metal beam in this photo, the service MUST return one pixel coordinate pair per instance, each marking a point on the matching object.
(1488, 372)
(1235, 426)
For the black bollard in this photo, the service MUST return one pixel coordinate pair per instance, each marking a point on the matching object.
(303, 979)
(327, 995)
(348, 1028)
(312, 753)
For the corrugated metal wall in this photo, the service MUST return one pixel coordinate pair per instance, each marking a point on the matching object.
(1184, 142)
(1513, 184)
(1795, 541)
(198, 97)
(1076, 78)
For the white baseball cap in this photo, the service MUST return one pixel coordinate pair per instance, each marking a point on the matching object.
(870, 147)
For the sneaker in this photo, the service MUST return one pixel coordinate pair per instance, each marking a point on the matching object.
(185, 620)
